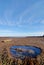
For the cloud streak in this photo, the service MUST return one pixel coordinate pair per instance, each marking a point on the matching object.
(7, 33)
(31, 18)
(9, 13)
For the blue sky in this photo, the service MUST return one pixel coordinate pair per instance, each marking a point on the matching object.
(21, 17)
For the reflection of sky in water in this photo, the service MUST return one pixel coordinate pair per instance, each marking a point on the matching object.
(34, 51)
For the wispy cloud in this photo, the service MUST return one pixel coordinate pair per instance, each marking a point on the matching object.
(13, 34)
(8, 15)
(31, 18)
(5, 31)
(42, 22)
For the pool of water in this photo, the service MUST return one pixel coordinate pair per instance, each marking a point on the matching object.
(22, 51)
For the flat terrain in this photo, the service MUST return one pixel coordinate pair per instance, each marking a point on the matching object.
(7, 42)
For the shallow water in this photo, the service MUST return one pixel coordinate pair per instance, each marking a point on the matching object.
(30, 51)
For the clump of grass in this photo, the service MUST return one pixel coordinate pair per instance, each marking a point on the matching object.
(4, 57)
(5, 60)
(40, 58)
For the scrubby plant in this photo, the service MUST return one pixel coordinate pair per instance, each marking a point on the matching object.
(27, 61)
(5, 60)
(36, 62)
(42, 60)
(4, 57)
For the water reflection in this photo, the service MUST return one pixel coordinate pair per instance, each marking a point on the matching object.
(22, 51)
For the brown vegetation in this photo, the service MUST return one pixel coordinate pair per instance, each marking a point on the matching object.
(7, 59)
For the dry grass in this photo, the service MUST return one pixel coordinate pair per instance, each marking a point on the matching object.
(32, 41)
